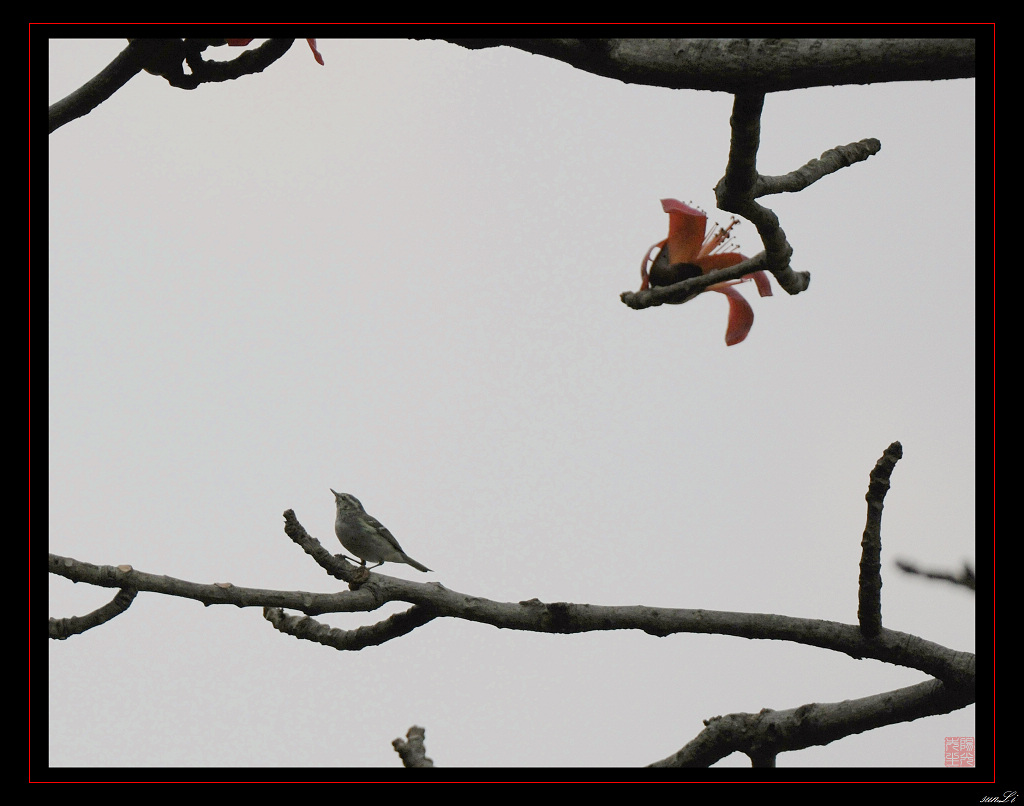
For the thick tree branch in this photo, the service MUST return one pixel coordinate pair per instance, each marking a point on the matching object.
(535, 616)
(766, 734)
(109, 80)
(727, 65)
(754, 65)
(736, 191)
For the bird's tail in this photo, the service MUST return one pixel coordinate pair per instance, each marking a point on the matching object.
(415, 564)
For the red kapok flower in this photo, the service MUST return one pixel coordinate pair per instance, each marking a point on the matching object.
(690, 251)
(312, 46)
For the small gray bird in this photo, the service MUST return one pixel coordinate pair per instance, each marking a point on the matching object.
(365, 536)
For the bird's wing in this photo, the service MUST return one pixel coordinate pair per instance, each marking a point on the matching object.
(383, 531)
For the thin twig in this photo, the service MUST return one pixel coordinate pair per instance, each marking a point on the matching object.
(966, 577)
(309, 629)
(869, 609)
(829, 162)
(412, 750)
(62, 628)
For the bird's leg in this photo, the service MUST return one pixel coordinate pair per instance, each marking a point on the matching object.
(351, 559)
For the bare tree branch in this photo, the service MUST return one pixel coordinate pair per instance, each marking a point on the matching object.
(246, 63)
(335, 565)
(764, 735)
(736, 191)
(754, 65)
(109, 80)
(747, 68)
(309, 629)
(829, 162)
(965, 577)
(166, 58)
(107, 576)
(413, 752)
(727, 65)
(62, 628)
(435, 600)
(683, 291)
(869, 610)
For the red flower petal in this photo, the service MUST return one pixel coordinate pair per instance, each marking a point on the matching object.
(741, 315)
(646, 280)
(316, 53)
(723, 260)
(764, 286)
(685, 231)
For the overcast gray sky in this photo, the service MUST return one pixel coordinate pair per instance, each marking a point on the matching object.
(398, 275)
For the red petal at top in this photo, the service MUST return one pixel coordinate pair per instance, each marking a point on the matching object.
(316, 53)
(723, 260)
(685, 231)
